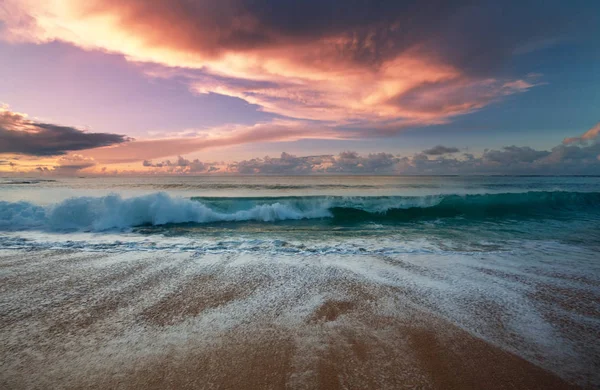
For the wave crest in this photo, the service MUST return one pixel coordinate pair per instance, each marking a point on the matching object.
(114, 212)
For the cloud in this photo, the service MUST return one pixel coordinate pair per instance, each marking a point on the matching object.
(182, 165)
(439, 150)
(71, 164)
(286, 164)
(560, 160)
(581, 159)
(589, 135)
(347, 162)
(66, 165)
(277, 130)
(352, 162)
(514, 155)
(384, 62)
(21, 135)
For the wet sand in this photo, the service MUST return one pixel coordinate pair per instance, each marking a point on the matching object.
(154, 321)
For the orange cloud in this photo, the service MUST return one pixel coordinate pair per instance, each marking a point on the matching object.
(314, 62)
(589, 135)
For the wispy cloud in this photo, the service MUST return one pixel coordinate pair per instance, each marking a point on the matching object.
(277, 130)
(590, 135)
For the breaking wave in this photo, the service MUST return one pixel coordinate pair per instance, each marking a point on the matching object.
(114, 212)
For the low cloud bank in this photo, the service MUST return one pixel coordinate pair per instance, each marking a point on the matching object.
(182, 165)
(577, 155)
(439, 150)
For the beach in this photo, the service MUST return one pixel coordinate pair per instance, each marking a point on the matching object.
(322, 194)
(165, 320)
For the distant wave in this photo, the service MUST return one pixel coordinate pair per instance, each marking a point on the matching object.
(114, 212)
(503, 205)
(5, 181)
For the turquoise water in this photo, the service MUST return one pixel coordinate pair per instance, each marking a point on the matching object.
(466, 213)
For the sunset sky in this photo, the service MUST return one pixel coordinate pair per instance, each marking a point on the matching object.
(320, 86)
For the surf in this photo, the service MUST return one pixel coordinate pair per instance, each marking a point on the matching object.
(115, 212)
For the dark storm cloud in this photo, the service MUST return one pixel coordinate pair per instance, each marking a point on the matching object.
(20, 135)
(439, 150)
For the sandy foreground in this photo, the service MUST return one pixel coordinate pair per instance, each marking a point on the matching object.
(226, 321)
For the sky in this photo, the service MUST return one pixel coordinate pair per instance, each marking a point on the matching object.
(128, 87)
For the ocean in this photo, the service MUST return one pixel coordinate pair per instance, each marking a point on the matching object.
(300, 282)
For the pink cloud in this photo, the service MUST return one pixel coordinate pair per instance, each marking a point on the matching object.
(589, 135)
(220, 137)
(363, 65)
